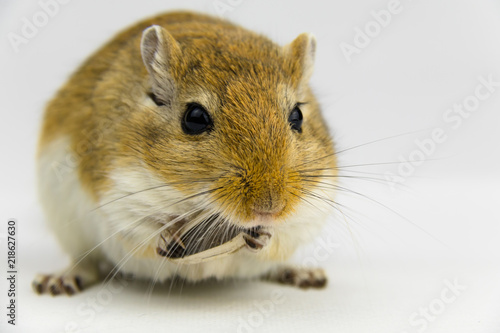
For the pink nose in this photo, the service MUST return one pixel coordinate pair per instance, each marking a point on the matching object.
(263, 218)
(268, 210)
(263, 214)
(268, 206)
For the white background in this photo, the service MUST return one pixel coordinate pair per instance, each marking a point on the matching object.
(392, 253)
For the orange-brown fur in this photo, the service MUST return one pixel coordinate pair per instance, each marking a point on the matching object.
(254, 165)
(246, 84)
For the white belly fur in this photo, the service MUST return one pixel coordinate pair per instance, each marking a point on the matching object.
(70, 214)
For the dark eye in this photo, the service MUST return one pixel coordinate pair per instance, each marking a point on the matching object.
(295, 119)
(196, 120)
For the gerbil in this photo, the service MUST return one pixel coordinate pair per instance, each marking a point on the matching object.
(182, 133)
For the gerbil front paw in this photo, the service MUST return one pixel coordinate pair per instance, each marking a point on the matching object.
(299, 277)
(191, 248)
(170, 245)
(256, 238)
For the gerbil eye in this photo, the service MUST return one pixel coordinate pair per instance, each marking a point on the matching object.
(196, 120)
(295, 119)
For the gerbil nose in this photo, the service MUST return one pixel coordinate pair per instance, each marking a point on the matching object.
(269, 201)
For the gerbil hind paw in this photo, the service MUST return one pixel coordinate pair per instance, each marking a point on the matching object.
(57, 284)
(65, 283)
(299, 277)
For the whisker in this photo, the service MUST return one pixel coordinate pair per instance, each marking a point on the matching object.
(122, 262)
(394, 212)
(345, 216)
(380, 181)
(137, 192)
(163, 262)
(362, 145)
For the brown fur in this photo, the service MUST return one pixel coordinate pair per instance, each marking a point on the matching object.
(247, 83)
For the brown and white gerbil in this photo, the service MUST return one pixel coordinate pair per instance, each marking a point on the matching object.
(186, 133)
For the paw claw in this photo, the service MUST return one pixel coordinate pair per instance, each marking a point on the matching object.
(302, 277)
(57, 285)
(256, 239)
(40, 283)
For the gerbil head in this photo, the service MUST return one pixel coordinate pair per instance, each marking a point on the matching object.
(231, 115)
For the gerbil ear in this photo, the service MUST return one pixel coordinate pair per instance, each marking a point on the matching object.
(159, 51)
(301, 52)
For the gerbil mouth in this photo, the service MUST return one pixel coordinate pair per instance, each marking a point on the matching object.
(213, 238)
